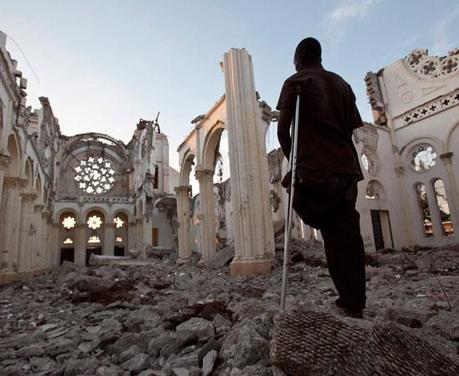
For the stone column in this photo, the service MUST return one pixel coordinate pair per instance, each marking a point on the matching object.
(453, 193)
(80, 244)
(47, 249)
(38, 261)
(10, 222)
(26, 232)
(183, 219)
(4, 163)
(400, 171)
(206, 193)
(109, 240)
(254, 239)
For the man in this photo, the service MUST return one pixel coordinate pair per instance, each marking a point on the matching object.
(328, 167)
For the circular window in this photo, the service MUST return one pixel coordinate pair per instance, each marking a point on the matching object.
(95, 175)
(423, 158)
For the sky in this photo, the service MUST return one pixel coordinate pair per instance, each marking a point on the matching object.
(106, 63)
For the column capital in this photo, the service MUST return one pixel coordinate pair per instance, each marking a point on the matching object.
(446, 157)
(182, 189)
(15, 182)
(28, 196)
(5, 159)
(38, 207)
(203, 172)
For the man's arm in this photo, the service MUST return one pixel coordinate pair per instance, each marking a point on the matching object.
(283, 129)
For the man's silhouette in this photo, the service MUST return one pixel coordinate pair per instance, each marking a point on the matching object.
(328, 167)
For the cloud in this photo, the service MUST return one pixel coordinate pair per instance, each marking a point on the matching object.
(337, 20)
(441, 38)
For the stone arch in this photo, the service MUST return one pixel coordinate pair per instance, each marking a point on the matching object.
(120, 222)
(454, 130)
(438, 145)
(375, 190)
(14, 150)
(95, 236)
(96, 208)
(211, 145)
(186, 167)
(28, 173)
(58, 214)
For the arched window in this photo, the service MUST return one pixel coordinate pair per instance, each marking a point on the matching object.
(426, 217)
(423, 157)
(95, 222)
(375, 190)
(120, 224)
(67, 226)
(443, 207)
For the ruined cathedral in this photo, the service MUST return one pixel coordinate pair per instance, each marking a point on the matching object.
(64, 198)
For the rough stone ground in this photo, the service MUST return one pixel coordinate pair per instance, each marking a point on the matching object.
(160, 319)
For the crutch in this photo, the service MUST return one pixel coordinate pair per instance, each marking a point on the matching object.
(288, 222)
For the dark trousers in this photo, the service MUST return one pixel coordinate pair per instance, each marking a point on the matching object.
(332, 211)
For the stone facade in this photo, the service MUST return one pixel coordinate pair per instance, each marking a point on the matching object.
(409, 195)
(63, 198)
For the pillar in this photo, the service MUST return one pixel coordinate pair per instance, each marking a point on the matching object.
(37, 250)
(206, 194)
(80, 244)
(46, 248)
(183, 219)
(26, 232)
(109, 240)
(10, 222)
(453, 192)
(254, 238)
(407, 212)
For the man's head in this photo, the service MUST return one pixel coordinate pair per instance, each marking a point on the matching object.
(308, 52)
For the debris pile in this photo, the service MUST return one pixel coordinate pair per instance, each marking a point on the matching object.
(161, 319)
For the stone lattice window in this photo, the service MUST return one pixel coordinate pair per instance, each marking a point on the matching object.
(95, 175)
(443, 207)
(69, 222)
(94, 222)
(423, 157)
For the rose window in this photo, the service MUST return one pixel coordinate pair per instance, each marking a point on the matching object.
(68, 222)
(94, 222)
(118, 222)
(423, 158)
(95, 175)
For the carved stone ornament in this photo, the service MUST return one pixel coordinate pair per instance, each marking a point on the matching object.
(429, 67)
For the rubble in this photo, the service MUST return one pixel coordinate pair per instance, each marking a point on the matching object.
(157, 318)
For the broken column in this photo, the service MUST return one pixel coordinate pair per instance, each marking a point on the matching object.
(208, 224)
(183, 218)
(254, 239)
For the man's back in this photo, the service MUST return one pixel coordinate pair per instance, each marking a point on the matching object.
(328, 116)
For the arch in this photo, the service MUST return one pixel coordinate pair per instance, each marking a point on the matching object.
(28, 173)
(435, 141)
(211, 145)
(95, 208)
(186, 167)
(67, 235)
(121, 211)
(95, 231)
(59, 213)
(375, 190)
(92, 138)
(453, 130)
(38, 188)
(120, 223)
(14, 151)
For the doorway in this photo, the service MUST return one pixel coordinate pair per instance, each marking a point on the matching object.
(382, 231)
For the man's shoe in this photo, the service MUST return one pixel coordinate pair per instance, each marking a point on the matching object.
(355, 313)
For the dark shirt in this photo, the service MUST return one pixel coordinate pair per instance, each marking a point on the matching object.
(328, 115)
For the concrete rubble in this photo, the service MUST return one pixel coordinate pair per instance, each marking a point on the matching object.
(163, 320)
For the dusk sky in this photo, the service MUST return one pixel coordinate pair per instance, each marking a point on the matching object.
(105, 64)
